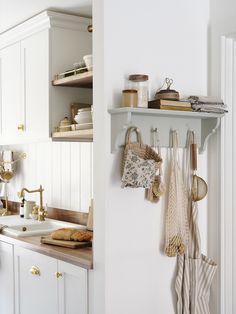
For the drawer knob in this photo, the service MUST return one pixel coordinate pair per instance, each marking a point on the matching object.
(35, 270)
(90, 28)
(58, 274)
(21, 127)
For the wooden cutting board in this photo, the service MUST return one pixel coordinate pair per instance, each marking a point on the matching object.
(68, 244)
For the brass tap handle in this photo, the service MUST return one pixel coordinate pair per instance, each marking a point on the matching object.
(35, 270)
(42, 214)
(58, 274)
(21, 127)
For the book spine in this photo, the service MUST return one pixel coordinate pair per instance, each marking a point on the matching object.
(164, 107)
(175, 103)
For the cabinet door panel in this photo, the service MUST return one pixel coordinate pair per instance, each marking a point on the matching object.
(6, 278)
(72, 289)
(12, 111)
(35, 68)
(35, 294)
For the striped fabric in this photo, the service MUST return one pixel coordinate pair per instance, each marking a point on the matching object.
(195, 273)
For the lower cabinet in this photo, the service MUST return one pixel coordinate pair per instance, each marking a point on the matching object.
(46, 285)
(6, 278)
(35, 283)
(72, 287)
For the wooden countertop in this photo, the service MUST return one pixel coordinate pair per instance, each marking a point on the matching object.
(82, 257)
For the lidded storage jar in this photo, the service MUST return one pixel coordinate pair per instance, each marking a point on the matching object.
(140, 83)
(129, 98)
(169, 94)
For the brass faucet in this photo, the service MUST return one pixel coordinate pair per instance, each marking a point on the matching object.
(41, 212)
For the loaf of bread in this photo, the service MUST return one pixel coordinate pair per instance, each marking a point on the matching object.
(71, 234)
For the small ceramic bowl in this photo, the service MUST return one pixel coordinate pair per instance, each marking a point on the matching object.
(80, 120)
(85, 109)
(88, 59)
(84, 116)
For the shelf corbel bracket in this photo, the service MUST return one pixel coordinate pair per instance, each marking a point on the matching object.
(120, 122)
(208, 128)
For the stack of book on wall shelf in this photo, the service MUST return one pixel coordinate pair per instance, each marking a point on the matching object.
(166, 104)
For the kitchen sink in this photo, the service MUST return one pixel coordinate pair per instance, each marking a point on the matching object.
(20, 227)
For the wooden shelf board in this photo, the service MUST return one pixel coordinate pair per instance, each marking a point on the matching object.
(78, 135)
(84, 80)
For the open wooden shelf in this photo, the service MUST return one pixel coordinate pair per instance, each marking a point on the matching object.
(76, 136)
(84, 80)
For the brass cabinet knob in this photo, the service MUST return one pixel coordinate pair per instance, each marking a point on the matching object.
(21, 127)
(35, 270)
(58, 274)
(90, 28)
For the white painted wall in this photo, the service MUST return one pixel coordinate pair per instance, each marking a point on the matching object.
(132, 276)
(65, 171)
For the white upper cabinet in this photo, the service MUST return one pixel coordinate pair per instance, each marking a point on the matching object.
(35, 74)
(30, 55)
(10, 90)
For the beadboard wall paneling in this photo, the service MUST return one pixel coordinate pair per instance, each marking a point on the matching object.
(43, 175)
(65, 174)
(64, 170)
(56, 174)
(75, 182)
(85, 178)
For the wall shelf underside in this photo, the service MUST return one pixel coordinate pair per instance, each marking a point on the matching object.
(204, 125)
(84, 80)
(73, 136)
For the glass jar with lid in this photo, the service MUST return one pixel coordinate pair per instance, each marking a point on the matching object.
(129, 98)
(140, 83)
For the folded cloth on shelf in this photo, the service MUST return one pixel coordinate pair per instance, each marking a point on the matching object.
(210, 108)
(207, 104)
(206, 100)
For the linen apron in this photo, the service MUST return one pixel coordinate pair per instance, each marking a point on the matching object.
(195, 273)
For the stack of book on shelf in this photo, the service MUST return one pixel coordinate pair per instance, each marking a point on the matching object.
(165, 104)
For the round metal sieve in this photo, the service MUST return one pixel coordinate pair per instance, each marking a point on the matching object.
(199, 185)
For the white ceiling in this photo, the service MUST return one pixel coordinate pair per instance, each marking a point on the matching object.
(13, 12)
